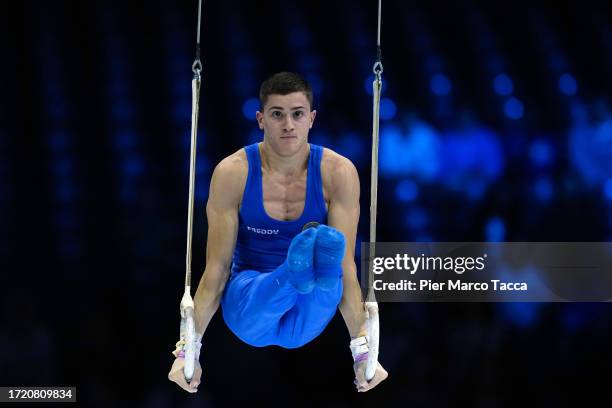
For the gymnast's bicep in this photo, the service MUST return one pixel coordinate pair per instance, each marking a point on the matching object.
(344, 205)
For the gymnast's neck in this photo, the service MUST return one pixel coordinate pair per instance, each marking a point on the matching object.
(286, 165)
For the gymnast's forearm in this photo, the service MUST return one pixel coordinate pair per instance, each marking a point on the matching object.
(208, 297)
(351, 308)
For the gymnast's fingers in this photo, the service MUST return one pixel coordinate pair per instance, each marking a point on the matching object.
(176, 375)
(197, 375)
(380, 375)
(360, 380)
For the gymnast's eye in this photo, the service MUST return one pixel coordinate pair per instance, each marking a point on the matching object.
(298, 114)
(276, 114)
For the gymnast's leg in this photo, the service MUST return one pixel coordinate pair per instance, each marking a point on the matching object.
(312, 312)
(254, 302)
(284, 307)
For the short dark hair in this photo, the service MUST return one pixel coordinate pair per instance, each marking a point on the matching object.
(284, 83)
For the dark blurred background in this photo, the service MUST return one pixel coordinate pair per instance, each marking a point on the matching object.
(496, 125)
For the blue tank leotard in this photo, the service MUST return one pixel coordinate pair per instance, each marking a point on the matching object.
(259, 304)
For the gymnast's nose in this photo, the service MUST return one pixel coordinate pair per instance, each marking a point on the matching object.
(288, 126)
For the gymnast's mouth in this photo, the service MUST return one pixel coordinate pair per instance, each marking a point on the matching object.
(288, 137)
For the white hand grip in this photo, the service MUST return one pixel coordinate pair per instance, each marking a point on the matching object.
(189, 344)
(373, 337)
(188, 325)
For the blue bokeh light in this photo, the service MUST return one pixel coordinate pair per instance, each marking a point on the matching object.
(608, 189)
(354, 146)
(513, 108)
(244, 62)
(417, 218)
(590, 149)
(62, 167)
(503, 85)
(475, 188)
(521, 314)
(316, 84)
(202, 165)
(577, 316)
(473, 154)
(543, 189)
(133, 166)
(541, 153)
(440, 85)
(495, 230)
(392, 141)
(309, 62)
(320, 137)
(406, 190)
(65, 191)
(181, 111)
(568, 84)
(249, 108)
(255, 135)
(417, 152)
(387, 109)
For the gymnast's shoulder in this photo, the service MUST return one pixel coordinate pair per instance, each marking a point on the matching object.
(230, 174)
(337, 170)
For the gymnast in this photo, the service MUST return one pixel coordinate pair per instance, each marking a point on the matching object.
(282, 222)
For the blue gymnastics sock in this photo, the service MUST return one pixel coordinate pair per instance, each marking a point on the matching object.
(300, 261)
(328, 255)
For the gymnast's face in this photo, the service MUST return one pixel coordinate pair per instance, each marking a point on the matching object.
(286, 121)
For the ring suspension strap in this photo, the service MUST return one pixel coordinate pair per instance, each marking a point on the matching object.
(187, 329)
(196, 67)
(370, 304)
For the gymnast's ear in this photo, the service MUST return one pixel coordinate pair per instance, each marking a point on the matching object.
(313, 114)
(259, 117)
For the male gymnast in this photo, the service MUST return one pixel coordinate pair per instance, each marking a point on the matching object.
(279, 280)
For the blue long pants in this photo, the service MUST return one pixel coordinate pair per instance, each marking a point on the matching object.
(263, 308)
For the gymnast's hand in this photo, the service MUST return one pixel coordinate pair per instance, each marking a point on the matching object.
(360, 381)
(177, 375)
